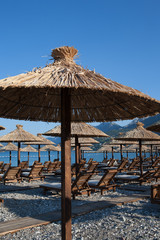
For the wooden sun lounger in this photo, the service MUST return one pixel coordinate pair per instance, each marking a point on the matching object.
(79, 185)
(106, 182)
(146, 177)
(11, 175)
(34, 174)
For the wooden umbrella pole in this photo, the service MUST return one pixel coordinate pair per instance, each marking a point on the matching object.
(39, 153)
(140, 155)
(106, 155)
(80, 153)
(58, 155)
(112, 153)
(121, 152)
(66, 163)
(127, 154)
(136, 152)
(19, 146)
(76, 153)
(49, 156)
(151, 154)
(10, 157)
(28, 158)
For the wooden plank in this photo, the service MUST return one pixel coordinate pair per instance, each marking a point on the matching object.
(49, 217)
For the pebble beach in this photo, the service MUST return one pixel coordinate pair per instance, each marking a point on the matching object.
(137, 220)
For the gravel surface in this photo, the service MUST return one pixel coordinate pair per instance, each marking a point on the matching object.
(139, 220)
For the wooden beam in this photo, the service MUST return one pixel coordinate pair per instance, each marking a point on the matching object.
(140, 155)
(39, 153)
(19, 154)
(66, 163)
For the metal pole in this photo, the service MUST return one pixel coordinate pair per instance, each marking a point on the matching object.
(66, 163)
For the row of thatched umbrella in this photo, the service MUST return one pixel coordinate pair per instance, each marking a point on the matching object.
(65, 92)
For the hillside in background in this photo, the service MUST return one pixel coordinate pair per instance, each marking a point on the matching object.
(113, 129)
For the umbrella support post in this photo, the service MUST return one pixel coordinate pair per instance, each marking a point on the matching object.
(66, 164)
(77, 154)
(140, 155)
(10, 156)
(19, 146)
(39, 154)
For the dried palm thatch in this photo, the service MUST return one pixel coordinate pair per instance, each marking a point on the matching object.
(84, 140)
(105, 148)
(50, 148)
(154, 127)
(78, 129)
(119, 142)
(2, 128)
(83, 148)
(28, 149)
(139, 133)
(1, 145)
(9, 147)
(43, 141)
(19, 135)
(93, 97)
(82, 144)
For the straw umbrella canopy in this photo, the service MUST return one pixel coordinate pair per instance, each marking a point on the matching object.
(105, 148)
(43, 141)
(19, 135)
(1, 145)
(28, 149)
(50, 148)
(2, 128)
(63, 92)
(78, 130)
(9, 147)
(154, 127)
(140, 134)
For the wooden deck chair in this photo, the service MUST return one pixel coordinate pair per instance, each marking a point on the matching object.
(105, 183)
(92, 166)
(34, 174)
(79, 185)
(46, 166)
(11, 175)
(5, 167)
(146, 177)
(134, 164)
(1, 164)
(23, 164)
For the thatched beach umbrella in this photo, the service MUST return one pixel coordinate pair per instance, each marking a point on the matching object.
(9, 147)
(2, 128)
(154, 127)
(105, 148)
(19, 135)
(50, 148)
(43, 141)
(65, 92)
(140, 134)
(28, 149)
(78, 130)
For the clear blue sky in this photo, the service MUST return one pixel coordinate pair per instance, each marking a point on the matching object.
(118, 38)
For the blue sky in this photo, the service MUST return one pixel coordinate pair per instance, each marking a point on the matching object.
(118, 38)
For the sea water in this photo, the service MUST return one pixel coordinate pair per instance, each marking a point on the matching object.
(4, 156)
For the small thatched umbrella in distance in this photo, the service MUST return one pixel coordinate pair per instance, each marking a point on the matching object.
(63, 92)
(43, 141)
(78, 130)
(19, 135)
(106, 148)
(154, 127)
(50, 148)
(28, 149)
(2, 128)
(9, 147)
(140, 134)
